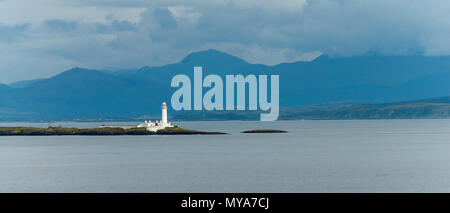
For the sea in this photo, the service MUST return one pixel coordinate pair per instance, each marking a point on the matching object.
(314, 156)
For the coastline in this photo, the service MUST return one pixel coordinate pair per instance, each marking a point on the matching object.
(59, 131)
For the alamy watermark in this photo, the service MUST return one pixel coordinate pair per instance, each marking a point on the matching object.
(213, 98)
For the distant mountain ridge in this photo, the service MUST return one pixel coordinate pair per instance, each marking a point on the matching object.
(83, 93)
(434, 108)
(25, 83)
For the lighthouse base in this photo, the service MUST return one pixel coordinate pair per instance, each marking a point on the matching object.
(156, 128)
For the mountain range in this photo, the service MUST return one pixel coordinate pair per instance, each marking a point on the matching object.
(370, 79)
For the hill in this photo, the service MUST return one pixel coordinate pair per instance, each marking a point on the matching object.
(81, 93)
(23, 84)
(422, 109)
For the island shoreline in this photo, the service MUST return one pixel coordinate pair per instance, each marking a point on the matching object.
(68, 131)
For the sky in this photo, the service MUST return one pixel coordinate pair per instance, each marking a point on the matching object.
(40, 38)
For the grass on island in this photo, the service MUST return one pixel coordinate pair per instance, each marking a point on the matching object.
(34, 131)
(264, 131)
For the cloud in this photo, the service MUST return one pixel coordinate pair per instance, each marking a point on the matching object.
(165, 18)
(116, 26)
(117, 34)
(10, 33)
(60, 25)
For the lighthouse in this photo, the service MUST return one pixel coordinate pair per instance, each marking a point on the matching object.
(164, 113)
(149, 125)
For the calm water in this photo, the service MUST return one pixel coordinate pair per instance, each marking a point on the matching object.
(315, 156)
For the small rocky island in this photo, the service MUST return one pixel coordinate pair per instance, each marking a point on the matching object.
(162, 127)
(34, 131)
(264, 131)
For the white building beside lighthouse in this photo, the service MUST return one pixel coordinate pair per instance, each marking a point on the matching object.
(162, 124)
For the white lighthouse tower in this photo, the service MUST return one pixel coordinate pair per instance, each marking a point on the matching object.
(164, 114)
(162, 124)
